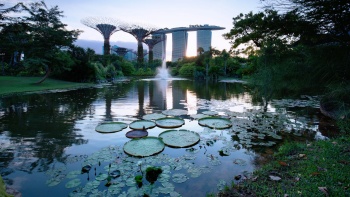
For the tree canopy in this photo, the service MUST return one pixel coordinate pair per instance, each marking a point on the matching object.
(293, 21)
(39, 35)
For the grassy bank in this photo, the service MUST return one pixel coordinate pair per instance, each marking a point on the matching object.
(10, 85)
(320, 168)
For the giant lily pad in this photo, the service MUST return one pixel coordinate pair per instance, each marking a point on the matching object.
(170, 122)
(136, 133)
(179, 138)
(142, 124)
(215, 122)
(153, 116)
(73, 183)
(175, 112)
(210, 113)
(144, 147)
(111, 127)
(199, 116)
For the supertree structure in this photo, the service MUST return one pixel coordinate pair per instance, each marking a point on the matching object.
(140, 32)
(151, 42)
(106, 26)
(121, 51)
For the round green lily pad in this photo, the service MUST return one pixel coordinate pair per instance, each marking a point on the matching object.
(169, 122)
(179, 138)
(153, 116)
(215, 122)
(179, 177)
(136, 133)
(111, 127)
(175, 112)
(210, 113)
(199, 116)
(143, 147)
(142, 124)
(73, 183)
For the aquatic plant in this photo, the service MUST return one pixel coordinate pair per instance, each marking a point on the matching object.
(152, 174)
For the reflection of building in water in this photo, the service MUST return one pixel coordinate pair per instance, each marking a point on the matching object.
(163, 95)
(179, 97)
(158, 94)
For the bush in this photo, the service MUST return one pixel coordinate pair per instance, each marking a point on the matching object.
(127, 68)
(100, 73)
(111, 72)
(187, 70)
(144, 72)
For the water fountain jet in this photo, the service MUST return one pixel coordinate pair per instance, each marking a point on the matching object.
(163, 72)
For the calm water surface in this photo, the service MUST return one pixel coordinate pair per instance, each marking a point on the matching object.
(46, 137)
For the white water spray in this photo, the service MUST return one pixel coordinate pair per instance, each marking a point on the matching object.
(163, 72)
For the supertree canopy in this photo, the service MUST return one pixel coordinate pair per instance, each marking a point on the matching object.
(140, 32)
(151, 42)
(106, 26)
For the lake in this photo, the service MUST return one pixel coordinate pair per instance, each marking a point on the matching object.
(47, 138)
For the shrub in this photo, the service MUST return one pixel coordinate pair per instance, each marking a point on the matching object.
(127, 68)
(100, 73)
(187, 70)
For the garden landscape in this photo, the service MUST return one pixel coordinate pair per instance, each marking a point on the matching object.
(268, 116)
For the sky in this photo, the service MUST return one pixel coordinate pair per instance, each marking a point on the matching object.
(158, 13)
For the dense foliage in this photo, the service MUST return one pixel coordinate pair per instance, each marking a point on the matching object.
(299, 46)
(38, 44)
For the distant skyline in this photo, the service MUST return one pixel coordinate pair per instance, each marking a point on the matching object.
(158, 13)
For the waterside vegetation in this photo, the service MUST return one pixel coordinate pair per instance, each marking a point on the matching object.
(317, 168)
(290, 48)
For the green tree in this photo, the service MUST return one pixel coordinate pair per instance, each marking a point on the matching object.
(260, 28)
(12, 34)
(329, 17)
(47, 35)
(200, 50)
(225, 55)
(4, 13)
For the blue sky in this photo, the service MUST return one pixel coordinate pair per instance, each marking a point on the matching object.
(159, 13)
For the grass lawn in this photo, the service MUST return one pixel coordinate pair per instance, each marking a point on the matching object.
(320, 168)
(9, 85)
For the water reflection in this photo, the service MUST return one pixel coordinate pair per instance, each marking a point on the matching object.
(42, 132)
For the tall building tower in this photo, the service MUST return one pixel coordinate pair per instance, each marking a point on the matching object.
(159, 48)
(179, 45)
(204, 39)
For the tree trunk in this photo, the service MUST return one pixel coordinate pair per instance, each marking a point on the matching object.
(139, 52)
(150, 57)
(48, 72)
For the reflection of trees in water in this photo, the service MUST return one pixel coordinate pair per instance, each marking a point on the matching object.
(141, 98)
(220, 91)
(113, 92)
(41, 126)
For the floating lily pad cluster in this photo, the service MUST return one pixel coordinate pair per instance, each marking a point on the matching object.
(255, 127)
(142, 124)
(170, 122)
(215, 122)
(304, 101)
(111, 127)
(144, 147)
(174, 170)
(153, 116)
(179, 138)
(175, 112)
(252, 127)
